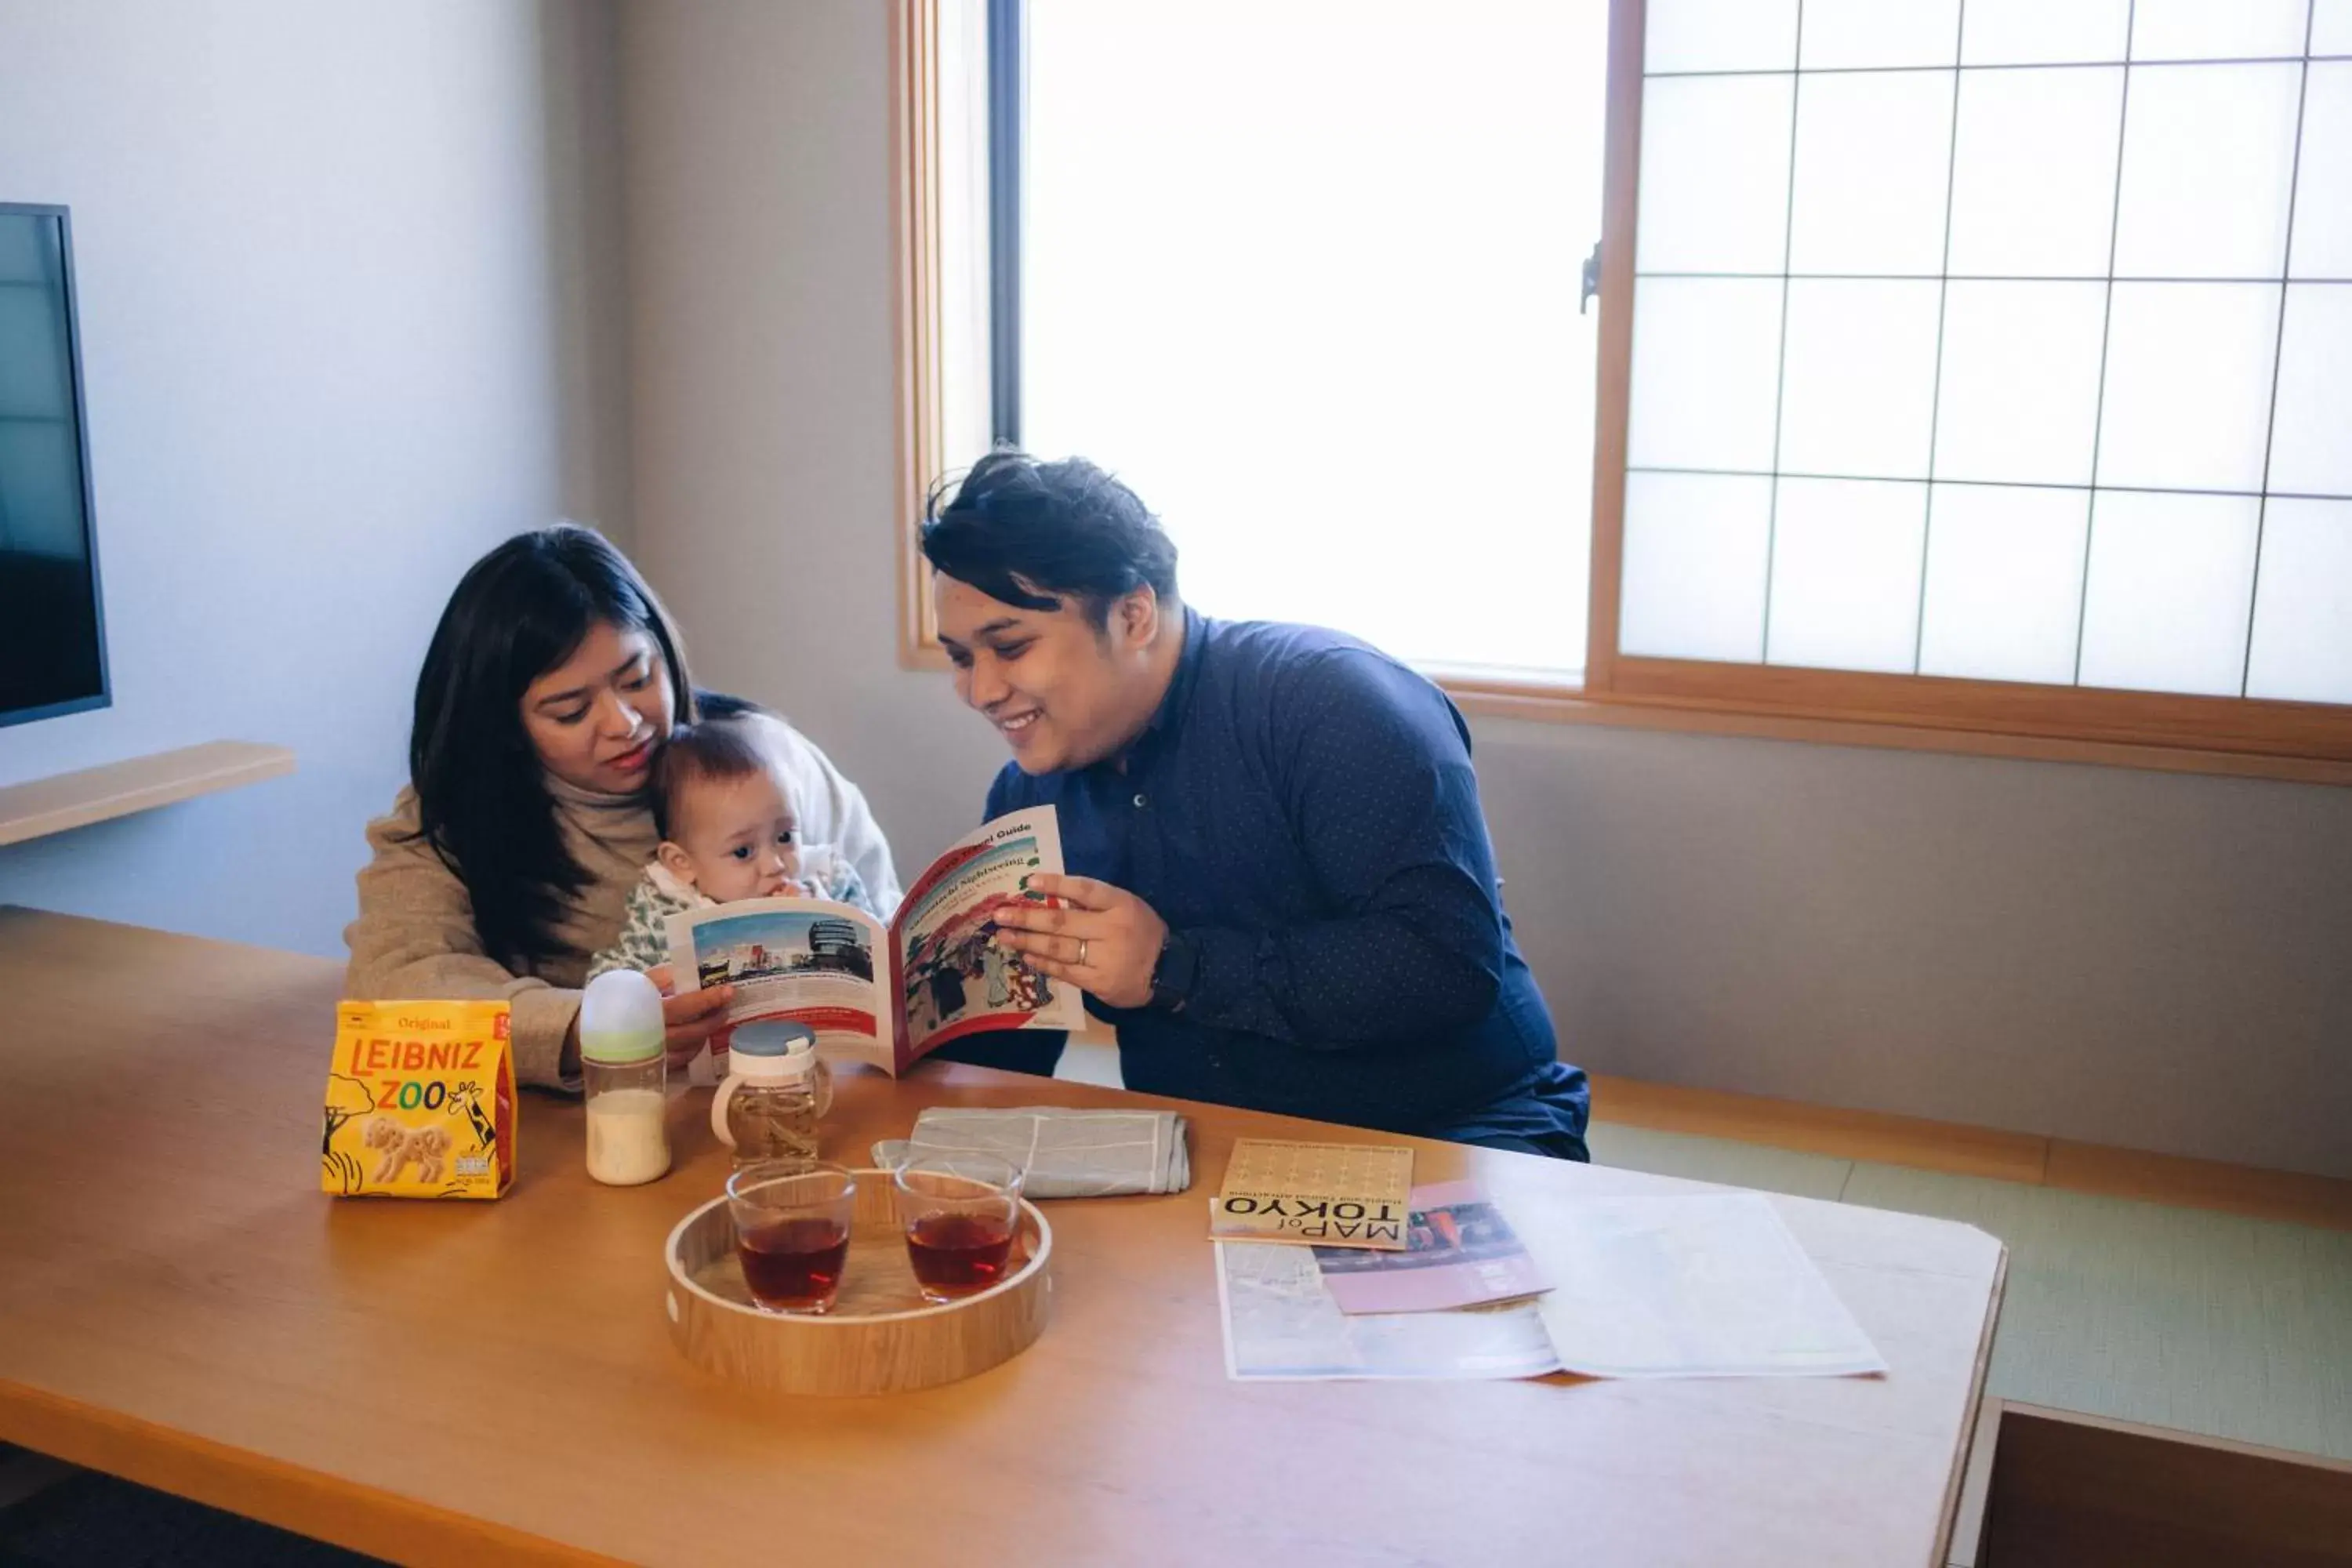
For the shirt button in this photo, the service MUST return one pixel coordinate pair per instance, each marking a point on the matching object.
(1141, 801)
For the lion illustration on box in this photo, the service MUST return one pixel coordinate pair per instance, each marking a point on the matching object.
(398, 1147)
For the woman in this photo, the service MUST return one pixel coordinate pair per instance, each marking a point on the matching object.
(552, 682)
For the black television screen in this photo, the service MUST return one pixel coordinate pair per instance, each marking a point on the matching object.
(52, 635)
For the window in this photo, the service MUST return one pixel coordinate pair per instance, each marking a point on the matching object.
(1971, 373)
(1306, 274)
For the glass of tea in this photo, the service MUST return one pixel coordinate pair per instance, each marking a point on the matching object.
(791, 1231)
(960, 1214)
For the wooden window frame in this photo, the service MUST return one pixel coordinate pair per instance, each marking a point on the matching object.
(921, 435)
(2253, 737)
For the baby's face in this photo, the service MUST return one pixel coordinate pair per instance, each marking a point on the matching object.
(741, 838)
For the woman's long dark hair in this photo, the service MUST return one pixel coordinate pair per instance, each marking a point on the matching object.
(481, 795)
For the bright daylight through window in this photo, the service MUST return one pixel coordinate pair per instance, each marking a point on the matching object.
(1996, 339)
(1307, 275)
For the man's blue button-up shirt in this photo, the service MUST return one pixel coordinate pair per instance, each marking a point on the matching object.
(1302, 808)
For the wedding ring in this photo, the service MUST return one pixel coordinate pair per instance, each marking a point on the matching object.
(1081, 952)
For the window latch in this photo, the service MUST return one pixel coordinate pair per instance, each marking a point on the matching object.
(1591, 288)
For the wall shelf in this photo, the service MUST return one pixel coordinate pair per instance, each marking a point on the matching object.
(39, 807)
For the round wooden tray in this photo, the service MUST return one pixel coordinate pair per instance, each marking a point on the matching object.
(881, 1336)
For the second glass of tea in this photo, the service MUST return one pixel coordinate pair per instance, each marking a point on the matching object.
(791, 1231)
(960, 1214)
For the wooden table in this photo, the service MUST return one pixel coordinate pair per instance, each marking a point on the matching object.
(457, 1382)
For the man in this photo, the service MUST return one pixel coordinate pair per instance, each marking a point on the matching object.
(1282, 891)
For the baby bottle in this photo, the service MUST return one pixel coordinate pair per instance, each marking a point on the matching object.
(622, 1065)
(776, 1090)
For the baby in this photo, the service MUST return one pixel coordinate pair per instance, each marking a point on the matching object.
(728, 833)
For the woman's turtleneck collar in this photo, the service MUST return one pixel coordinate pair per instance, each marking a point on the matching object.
(572, 797)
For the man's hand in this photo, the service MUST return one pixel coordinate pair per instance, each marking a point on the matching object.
(1105, 942)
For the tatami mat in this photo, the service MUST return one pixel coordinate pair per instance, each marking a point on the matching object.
(2182, 1318)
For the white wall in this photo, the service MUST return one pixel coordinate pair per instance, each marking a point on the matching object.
(351, 313)
(2127, 957)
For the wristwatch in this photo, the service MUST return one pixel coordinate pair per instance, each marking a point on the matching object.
(1172, 974)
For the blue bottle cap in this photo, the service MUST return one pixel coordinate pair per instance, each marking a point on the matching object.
(772, 1038)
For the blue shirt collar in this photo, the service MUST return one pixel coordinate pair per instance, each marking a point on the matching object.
(1188, 670)
(1167, 718)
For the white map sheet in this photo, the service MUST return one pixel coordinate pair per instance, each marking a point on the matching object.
(1707, 1285)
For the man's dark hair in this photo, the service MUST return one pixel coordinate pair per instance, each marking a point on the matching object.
(1033, 533)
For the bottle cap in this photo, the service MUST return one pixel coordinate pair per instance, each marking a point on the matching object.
(772, 1050)
(620, 1019)
(772, 1037)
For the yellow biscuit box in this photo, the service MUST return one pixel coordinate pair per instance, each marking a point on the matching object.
(421, 1101)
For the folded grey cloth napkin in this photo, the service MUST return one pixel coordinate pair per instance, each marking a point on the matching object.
(1067, 1153)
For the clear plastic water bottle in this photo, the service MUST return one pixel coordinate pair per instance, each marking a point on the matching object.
(623, 1070)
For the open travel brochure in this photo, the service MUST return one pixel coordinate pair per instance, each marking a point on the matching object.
(1702, 1285)
(812, 961)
